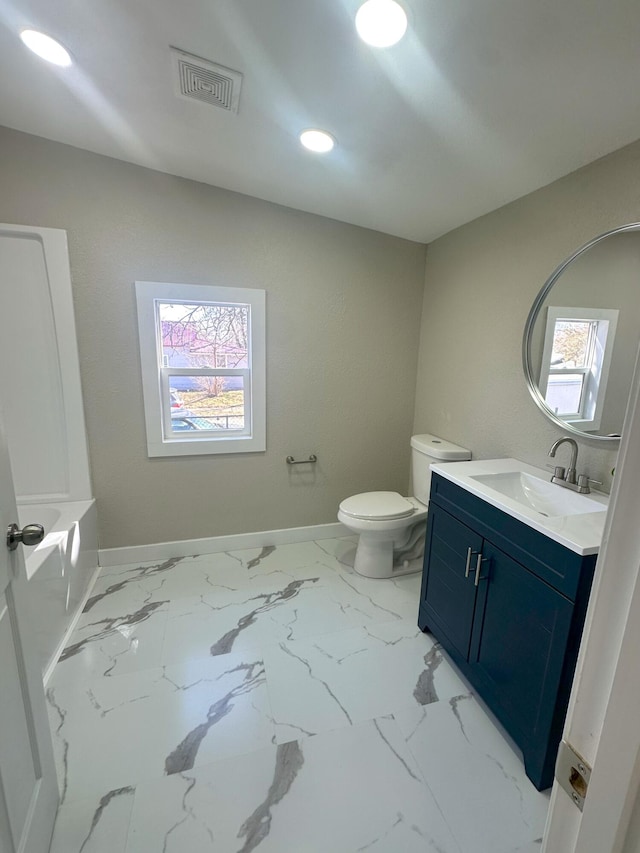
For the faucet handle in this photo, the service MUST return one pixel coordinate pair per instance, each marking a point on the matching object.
(558, 470)
(583, 484)
(558, 475)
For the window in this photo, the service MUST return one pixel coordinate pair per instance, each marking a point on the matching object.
(202, 351)
(575, 365)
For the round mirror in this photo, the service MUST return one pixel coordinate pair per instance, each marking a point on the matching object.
(582, 333)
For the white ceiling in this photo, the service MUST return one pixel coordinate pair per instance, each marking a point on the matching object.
(482, 102)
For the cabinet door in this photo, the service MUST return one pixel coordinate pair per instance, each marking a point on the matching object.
(520, 634)
(448, 597)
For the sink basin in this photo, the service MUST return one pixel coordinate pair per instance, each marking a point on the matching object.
(527, 494)
(544, 497)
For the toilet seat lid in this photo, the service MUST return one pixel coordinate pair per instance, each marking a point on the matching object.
(377, 505)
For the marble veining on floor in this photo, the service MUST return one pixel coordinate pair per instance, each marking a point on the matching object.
(273, 700)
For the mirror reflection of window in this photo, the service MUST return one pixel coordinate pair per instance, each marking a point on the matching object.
(575, 363)
(602, 274)
(572, 358)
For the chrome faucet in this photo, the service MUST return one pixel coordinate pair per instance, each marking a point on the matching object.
(568, 479)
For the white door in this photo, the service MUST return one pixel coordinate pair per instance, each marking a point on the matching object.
(602, 720)
(28, 786)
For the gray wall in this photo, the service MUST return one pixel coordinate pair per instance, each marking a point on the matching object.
(343, 317)
(480, 282)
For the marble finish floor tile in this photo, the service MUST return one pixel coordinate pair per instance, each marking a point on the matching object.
(346, 677)
(122, 627)
(225, 570)
(115, 731)
(382, 599)
(229, 620)
(272, 699)
(104, 648)
(285, 558)
(98, 824)
(350, 790)
(459, 748)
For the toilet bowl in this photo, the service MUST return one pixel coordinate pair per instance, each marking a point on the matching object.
(390, 527)
(385, 522)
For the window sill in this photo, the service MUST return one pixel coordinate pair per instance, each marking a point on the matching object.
(206, 446)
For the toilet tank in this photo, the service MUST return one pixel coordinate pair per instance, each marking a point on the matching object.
(426, 449)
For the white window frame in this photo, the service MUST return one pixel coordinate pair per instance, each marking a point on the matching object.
(156, 378)
(596, 374)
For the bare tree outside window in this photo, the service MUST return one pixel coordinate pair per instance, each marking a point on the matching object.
(211, 336)
(572, 342)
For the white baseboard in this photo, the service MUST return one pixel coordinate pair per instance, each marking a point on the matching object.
(216, 544)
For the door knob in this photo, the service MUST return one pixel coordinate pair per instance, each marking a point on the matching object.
(31, 534)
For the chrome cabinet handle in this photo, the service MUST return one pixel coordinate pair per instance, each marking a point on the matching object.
(468, 566)
(479, 563)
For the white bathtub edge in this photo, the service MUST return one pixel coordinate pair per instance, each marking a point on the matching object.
(216, 544)
(63, 642)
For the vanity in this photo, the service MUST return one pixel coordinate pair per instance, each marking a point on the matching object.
(508, 567)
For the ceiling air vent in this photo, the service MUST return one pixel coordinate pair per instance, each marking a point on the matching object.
(205, 81)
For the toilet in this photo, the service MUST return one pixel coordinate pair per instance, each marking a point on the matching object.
(391, 528)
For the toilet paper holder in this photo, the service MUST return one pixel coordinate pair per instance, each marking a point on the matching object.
(291, 461)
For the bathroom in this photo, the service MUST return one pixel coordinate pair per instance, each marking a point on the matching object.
(454, 311)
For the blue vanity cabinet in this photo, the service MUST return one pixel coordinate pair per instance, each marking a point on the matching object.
(448, 597)
(508, 605)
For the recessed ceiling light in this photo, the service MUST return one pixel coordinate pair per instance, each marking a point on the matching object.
(381, 23)
(317, 140)
(46, 47)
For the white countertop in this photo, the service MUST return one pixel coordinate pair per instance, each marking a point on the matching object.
(581, 533)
